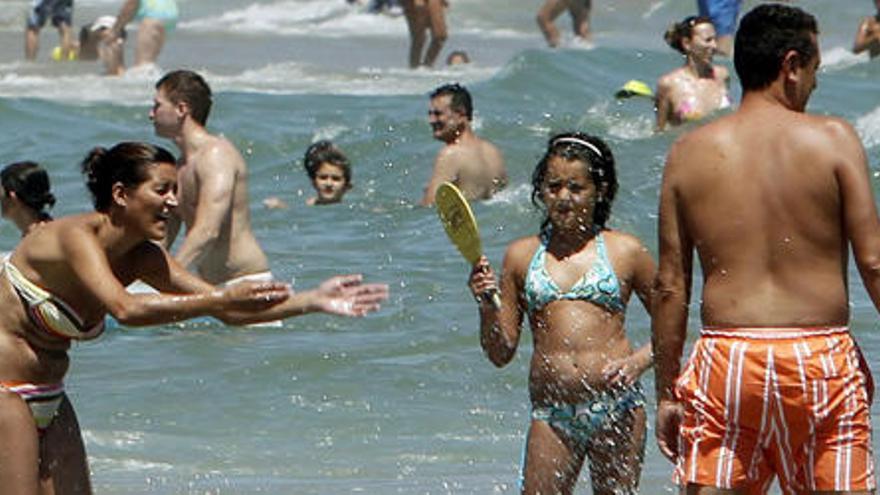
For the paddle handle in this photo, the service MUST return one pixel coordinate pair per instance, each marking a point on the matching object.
(493, 297)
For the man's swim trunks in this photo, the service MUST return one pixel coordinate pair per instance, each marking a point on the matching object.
(61, 12)
(723, 13)
(788, 402)
(256, 277)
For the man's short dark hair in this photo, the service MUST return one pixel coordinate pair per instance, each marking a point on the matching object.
(764, 36)
(188, 87)
(461, 99)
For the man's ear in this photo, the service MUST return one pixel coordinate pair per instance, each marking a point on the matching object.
(119, 194)
(182, 109)
(792, 63)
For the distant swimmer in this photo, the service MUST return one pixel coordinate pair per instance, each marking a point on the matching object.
(65, 277)
(458, 57)
(699, 87)
(61, 14)
(213, 186)
(424, 16)
(772, 200)
(580, 18)
(329, 172)
(157, 18)
(723, 14)
(868, 34)
(26, 195)
(573, 281)
(475, 165)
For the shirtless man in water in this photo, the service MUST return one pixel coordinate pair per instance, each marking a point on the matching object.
(772, 199)
(212, 186)
(475, 165)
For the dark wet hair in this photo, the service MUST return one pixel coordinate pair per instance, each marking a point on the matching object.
(30, 183)
(188, 87)
(458, 53)
(461, 98)
(325, 152)
(680, 31)
(600, 166)
(764, 36)
(125, 163)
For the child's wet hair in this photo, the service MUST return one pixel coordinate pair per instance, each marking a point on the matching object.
(325, 151)
(599, 161)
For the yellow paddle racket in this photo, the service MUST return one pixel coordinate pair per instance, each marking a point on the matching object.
(461, 227)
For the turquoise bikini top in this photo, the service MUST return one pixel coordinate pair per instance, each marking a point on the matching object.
(599, 285)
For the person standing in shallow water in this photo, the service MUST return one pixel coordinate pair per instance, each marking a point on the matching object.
(772, 199)
(580, 19)
(66, 276)
(573, 281)
(699, 87)
(26, 195)
(423, 16)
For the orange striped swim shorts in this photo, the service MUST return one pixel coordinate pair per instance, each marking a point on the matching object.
(787, 402)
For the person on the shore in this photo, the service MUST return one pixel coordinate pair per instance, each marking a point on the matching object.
(772, 199)
(573, 281)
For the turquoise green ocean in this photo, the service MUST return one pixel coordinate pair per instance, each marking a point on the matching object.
(402, 401)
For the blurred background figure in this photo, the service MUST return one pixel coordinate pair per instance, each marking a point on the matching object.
(97, 42)
(868, 34)
(580, 18)
(458, 57)
(26, 195)
(423, 16)
(157, 18)
(697, 88)
(61, 13)
(723, 14)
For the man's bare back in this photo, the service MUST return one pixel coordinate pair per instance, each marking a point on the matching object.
(774, 177)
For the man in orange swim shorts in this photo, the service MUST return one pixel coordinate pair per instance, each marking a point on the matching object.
(772, 199)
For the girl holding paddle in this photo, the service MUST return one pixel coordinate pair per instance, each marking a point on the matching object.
(573, 280)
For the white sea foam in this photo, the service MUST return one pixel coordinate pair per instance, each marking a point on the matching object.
(868, 127)
(839, 58)
(320, 18)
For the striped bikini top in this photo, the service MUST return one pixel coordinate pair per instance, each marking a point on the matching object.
(599, 285)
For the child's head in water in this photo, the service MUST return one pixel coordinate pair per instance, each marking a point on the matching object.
(329, 171)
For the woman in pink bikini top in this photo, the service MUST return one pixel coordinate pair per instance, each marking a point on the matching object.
(697, 88)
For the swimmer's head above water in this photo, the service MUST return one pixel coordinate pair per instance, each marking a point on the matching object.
(450, 112)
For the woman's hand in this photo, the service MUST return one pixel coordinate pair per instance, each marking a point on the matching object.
(345, 295)
(622, 372)
(482, 280)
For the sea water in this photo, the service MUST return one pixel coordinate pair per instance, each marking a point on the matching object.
(402, 401)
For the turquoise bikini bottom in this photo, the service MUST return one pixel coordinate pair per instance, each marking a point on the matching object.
(580, 421)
